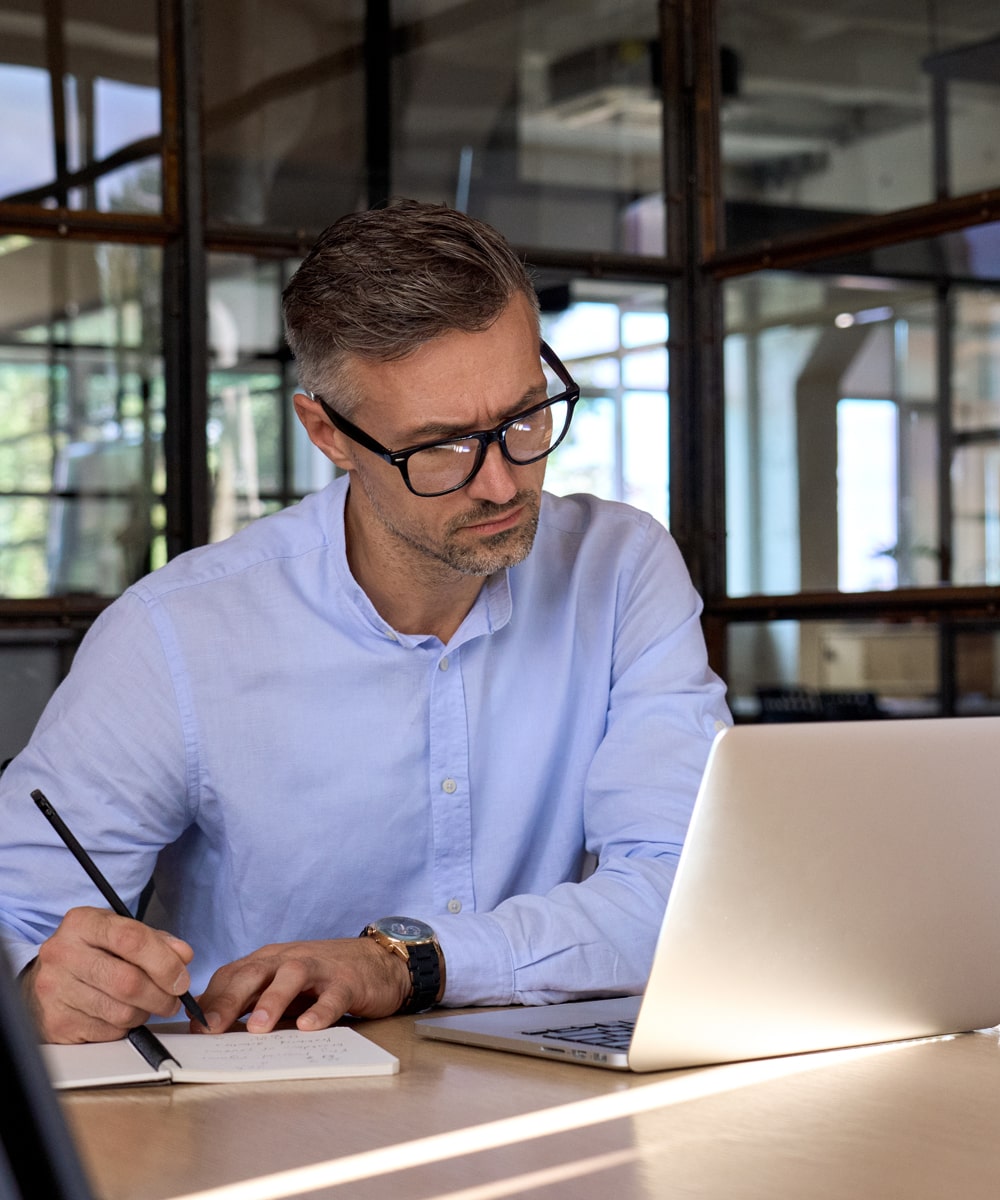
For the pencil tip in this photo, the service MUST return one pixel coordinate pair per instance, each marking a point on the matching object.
(193, 1009)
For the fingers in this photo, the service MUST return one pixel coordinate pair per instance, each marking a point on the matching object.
(266, 985)
(329, 1008)
(331, 978)
(372, 982)
(100, 975)
(241, 987)
(293, 978)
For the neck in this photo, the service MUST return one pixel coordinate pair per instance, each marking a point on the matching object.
(412, 592)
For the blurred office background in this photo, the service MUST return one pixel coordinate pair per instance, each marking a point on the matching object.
(766, 236)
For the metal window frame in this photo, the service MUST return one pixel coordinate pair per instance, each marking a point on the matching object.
(695, 267)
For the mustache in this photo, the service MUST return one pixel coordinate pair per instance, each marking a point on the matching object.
(488, 511)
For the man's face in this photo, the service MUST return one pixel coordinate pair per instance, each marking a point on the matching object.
(456, 384)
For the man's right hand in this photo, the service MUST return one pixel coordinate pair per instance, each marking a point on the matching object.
(99, 975)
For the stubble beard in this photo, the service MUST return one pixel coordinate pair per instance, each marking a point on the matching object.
(499, 550)
(487, 555)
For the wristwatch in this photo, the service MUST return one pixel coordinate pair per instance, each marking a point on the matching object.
(417, 945)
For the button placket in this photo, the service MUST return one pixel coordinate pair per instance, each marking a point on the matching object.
(449, 786)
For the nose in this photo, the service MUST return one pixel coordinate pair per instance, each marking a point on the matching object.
(494, 480)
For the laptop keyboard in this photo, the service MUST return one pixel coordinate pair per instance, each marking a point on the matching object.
(613, 1035)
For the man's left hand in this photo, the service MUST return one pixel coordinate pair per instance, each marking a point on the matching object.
(345, 975)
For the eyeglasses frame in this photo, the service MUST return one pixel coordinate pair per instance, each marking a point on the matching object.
(486, 437)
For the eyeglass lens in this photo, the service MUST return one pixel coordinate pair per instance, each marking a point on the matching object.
(450, 464)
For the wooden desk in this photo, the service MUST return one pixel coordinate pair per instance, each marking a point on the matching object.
(911, 1121)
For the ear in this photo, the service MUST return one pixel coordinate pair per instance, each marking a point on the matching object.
(337, 447)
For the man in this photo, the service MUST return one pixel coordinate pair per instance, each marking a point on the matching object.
(428, 690)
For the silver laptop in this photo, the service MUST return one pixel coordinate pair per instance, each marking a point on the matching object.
(839, 885)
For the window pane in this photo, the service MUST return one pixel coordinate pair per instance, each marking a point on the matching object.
(646, 452)
(816, 670)
(585, 460)
(32, 663)
(790, 670)
(81, 416)
(836, 110)
(965, 71)
(284, 118)
(977, 671)
(259, 455)
(543, 119)
(976, 375)
(975, 472)
(831, 434)
(27, 147)
(612, 338)
(867, 488)
(976, 491)
(93, 141)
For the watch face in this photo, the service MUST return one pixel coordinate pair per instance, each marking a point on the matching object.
(405, 929)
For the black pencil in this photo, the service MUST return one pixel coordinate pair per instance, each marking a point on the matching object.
(107, 891)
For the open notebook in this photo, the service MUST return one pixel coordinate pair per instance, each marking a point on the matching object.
(839, 885)
(239, 1057)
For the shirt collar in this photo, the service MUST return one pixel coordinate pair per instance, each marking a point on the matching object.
(491, 611)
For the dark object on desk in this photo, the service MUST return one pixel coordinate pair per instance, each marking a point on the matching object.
(105, 888)
(850, 706)
(788, 704)
(779, 704)
(37, 1155)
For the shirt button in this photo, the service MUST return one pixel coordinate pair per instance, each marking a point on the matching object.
(454, 905)
(391, 636)
(449, 786)
(443, 664)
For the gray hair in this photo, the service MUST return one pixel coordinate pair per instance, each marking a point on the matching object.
(379, 284)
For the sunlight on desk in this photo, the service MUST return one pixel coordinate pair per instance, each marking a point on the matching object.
(678, 1088)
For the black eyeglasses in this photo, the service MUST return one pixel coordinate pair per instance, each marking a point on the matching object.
(437, 468)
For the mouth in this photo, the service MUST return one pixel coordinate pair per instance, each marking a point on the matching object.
(499, 524)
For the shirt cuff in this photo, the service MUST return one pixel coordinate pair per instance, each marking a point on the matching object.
(19, 954)
(478, 961)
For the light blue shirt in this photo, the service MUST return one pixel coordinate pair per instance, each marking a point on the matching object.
(244, 723)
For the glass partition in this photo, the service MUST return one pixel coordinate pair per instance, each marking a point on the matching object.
(833, 670)
(832, 434)
(260, 458)
(860, 669)
(613, 339)
(543, 119)
(284, 122)
(81, 416)
(836, 110)
(977, 670)
(80, 94)
(976, 423)
(964, 69)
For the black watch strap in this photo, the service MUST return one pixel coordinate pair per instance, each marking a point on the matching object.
(425, 975)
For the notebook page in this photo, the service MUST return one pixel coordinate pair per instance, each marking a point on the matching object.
(283, 1054)
(98, 1064)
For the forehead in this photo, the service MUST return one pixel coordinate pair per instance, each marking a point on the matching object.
(458, 380)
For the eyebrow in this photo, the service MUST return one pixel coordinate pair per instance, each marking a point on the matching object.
(439, 431)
